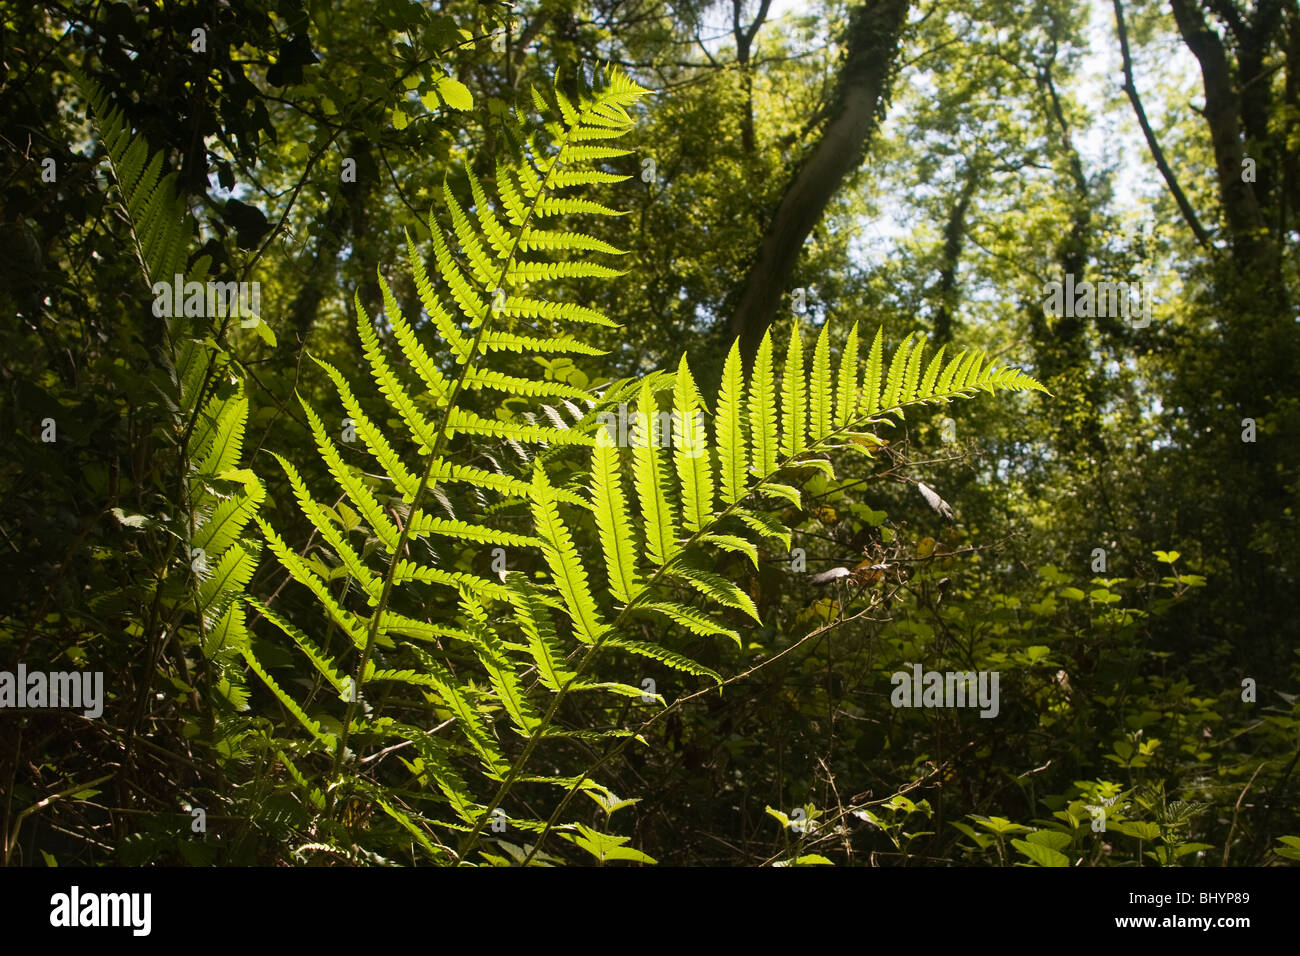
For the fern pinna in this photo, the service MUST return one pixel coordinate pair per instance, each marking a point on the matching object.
(466, 677)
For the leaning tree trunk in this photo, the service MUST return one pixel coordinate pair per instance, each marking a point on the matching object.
(860, 98)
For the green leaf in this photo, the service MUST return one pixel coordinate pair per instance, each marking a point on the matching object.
(1138, 829)
(455, 93)
(604, 847)
(1042, 855)
(1052, 839)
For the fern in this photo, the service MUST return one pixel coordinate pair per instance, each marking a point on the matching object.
(203, 605)
(495, 659)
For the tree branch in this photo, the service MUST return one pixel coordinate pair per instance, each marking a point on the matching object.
(1130, 88)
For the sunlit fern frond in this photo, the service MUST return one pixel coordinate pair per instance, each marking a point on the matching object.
(589, 562)
(209, 415)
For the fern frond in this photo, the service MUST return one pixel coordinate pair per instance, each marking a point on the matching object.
(562, 558)
(425, 524)
(694, 620)
(319, 660)
(298, 569)
(289, 703)
(690, 455)
(470, 423)
(440, 317)
(729, 433)
(943, 386)
(733, 543)
(496, 233)
(362, 497)
(229, 636)
(820, 402)
(762, 410)
(509, 691)
(445, 471)
(517, 385)
(385, 377)
(926, 388)
(221, 437)
(794, 400)
(316, 515)
(426, 631)
(227, 520)
(894, 379)
(227, 579)
(614, 527)
(482, 265)
(157, 217)
(536, 240)
(767, 525)
(472, 305)
(524, 270)
(665, 656)
(556, 311)
(534, 620)
(973, 370)
(469, 722)
(911, 375)
(407, 484)
(412, 571)
(846, 396)
(871, 382)
(437, 853)
(717, 587)
(495, 341)
(651, 483)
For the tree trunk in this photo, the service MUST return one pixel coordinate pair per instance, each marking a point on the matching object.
(861, 94)
(1224, 109)
(954, 235)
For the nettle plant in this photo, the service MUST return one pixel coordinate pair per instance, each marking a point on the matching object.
(452, 695)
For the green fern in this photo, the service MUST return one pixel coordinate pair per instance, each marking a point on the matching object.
(203, 605)
(494, 660)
